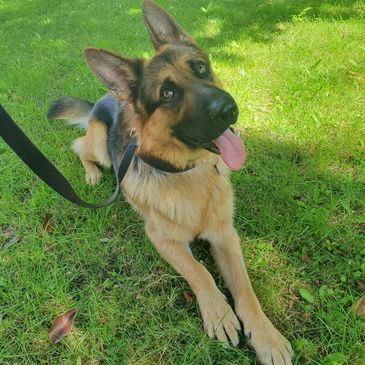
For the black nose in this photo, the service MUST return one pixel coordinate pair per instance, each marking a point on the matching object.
(229, 112)
(224, 109)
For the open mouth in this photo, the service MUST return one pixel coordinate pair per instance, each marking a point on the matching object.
(228, 145)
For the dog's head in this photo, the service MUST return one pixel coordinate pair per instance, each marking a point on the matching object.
(180, 108)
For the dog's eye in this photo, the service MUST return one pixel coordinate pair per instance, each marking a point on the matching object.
(166, 94)
(201, 68)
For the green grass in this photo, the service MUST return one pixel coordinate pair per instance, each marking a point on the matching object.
(297, 70)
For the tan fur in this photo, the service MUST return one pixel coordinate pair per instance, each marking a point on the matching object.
(92, 149)
(156, 141)
(199, 203)
(180, 207)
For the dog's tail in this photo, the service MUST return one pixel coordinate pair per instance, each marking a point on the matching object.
(75, 111)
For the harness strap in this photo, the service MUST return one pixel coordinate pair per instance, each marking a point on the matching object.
(41, 166)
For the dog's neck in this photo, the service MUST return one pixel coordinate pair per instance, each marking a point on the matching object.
(163, 165)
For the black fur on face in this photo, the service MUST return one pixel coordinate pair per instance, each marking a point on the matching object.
(213, 111)
(179, 82)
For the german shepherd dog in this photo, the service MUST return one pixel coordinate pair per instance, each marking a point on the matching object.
(179, 178)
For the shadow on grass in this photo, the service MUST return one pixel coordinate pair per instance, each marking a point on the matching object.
(261, 21)
(300, 226)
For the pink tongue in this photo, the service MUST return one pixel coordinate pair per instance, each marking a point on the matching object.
(231, 149)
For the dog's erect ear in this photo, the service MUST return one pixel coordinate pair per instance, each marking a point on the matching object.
(162, 27)
(119, 74)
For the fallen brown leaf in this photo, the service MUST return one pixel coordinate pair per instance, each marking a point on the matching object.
(62, 326)
(305, 258)
(359, 307)
(360, 284)
(101, 320)
(188, 297)
(48, 225)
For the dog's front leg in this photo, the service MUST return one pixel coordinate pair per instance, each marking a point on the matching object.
(270, 346)
(218, 317)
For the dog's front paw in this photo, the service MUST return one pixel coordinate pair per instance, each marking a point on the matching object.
(271, 347)
(220, 320)
(93, 176)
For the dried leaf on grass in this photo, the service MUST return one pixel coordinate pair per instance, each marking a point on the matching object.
(305, 258)
(62, 326)
(188, 297)
(360, 284)
(48, 225)
(359, 307)
(101, 320)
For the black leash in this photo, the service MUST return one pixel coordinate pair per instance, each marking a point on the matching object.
(41, 166)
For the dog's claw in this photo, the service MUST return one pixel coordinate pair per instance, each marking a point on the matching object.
(270, 346)
(221, 322)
